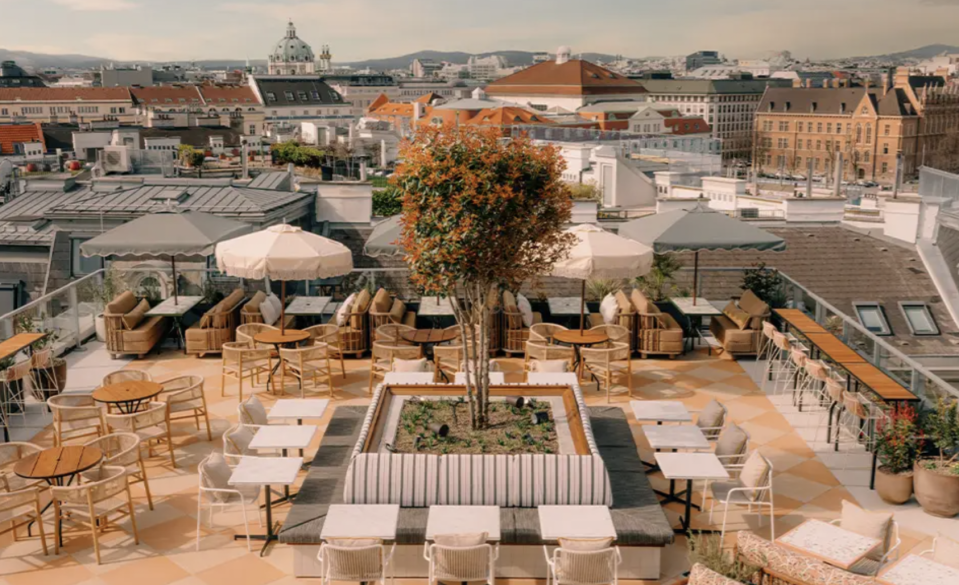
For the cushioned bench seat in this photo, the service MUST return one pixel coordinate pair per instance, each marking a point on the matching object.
(637, 515)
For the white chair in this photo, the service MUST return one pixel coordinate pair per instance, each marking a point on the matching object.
(185, 400)
(356, 560)
(252, 413)
(476, 562)
(151, 425)
(90, 504)
(236, 444)
(123, 449)
(766, 346)
(731, 450)
(583, 567)
(215, 492)
(944, 550)
(888, 551)
(752, 487)
(42, 382)
(75, 416)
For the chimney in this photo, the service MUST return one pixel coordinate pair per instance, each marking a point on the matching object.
(417, 111)
(244, 159)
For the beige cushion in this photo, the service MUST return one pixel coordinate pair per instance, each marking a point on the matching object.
(642, 304)
(871, 524)
(609, 309)
(754, 474)
(269, 310)
(585, 544)
(752, 304)
(381, 301)
(462, 540)
(947, 551)
(354, 542)
(255, 413)
(549, 366)
(217, 475)
(731, 441)
(737, 315)
(253, 305)
(134, 317)
(525, 309)
(419, 365)
(712, 416)
(509, 301)
(123, 304)
(344, 310)
(360, 305)
(625, 306)
(231, 301)
(397, 311)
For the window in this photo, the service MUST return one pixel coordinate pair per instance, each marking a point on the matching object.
(868, 133)
(819, 145)
(839, 128)
(270, 96)
(81, 264)
(872, 317)
(798, 126)
(809, 145)
(315, 94)
(886, 130)
(784, 126)
(919, 318)
(798, 162)
(885, 149)
(885, 168)
(819, 126)
(302, 96)
(4, 112)
(289, 96)
(865, 157)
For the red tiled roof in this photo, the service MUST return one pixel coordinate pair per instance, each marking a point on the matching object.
(11, 134)
(234, 94)
(687, 125)
(506, 116)
(167, 95)
(574, 77)
(61, 94)
(429, 98)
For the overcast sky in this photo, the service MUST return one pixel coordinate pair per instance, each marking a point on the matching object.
(359, 29)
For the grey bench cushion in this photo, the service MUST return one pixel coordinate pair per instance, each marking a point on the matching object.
(636, 513)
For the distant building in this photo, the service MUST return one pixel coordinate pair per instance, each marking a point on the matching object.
(701, 59)
(63, 104)
(425, 68)
(288, 101)
(21, 139)
(486, 68)
(11, 75)
(292, 56)
(362, 90)
(126, 76)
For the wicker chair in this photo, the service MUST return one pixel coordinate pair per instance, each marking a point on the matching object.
(43, 384)
(384, 309)
(216, 327)
(355, 332)
(242, 362)
(75, 416)
(250, 313)
(123, 449)
(383, 356)
(515, 332)
(151, 425)
(544, 352)
(461, 563)
(657, 333)
(607, 362)
(10, 454)
(128, 329)
(90, 504)
(543, 332)
(21, 507)
(625, 316)
(246, 332)
(16, 380)
(184, 398)
(615, 333)
(572, 567)
(365, 560)
(446, 360)
(392, 333)
(126, 376)
(310, 363)
(330, 335)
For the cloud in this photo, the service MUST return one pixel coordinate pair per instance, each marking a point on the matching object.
(96, 5)
(940, 2)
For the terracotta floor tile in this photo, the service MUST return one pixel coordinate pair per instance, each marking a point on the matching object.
(152, 571)
(798, 488)
(833, 498)
(68, 575)
(246, 570)
(815, 470)
(170, 535)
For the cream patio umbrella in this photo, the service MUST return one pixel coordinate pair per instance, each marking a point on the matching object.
(598, 253)
(283, 252)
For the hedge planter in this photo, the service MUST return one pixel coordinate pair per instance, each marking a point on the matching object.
(894, 488)
(937, 493)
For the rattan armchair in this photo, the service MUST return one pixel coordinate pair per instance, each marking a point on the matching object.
(330, 335)
(75, 416)
(123, 449)
(392, 333)
(383, 356)
(355, 331)
(151, 425)
(242, 362)
(608, 362)
(540, 351)
(185, 400)
(309, 364)
(514, 330)
(447, 360)
(543, 332)
(245, 334)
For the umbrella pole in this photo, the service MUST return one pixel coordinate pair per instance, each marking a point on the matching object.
(282, 307)
(582, 308)
(695, 276)
(176, 298)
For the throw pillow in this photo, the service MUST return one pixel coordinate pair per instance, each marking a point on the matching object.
(731, 442)
(871, 524)
(253, 305)
(754, 474)
(344, 310)
(736, 315)
(549, 366)
(216, 475)
(253, 412)
(134, 317)
(269, 311)
(609, 308)
(712, 417)
(419, 365)
(525, 309)
(585, 544)
(397, 311)
(461, 540)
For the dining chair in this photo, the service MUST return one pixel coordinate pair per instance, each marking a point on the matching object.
(185, 400)
(383, 356)
(21, 507)
(732, 448)
(10, 454)
(309, 364)
(246, 332)
(583, 567)
(330, 335)
(242, 362)
(251, 412)
(944, 550)
(543, 332)
(75, 416)
(608, 362)
(542, 351)
(126, 376)
(711, 419)
(123, 449)
(863, 522)
(236, 443)
(363, 560)
(751, 485)
(42, 382)
(446, 360)
(90, 504)
(152, 425)
(461, 563)
(615, 333)
(392, 333)
(216, 493)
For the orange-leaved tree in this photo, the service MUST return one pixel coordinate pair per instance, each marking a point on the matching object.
(480, 213)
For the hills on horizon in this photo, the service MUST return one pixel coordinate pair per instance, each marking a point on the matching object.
(31, 60)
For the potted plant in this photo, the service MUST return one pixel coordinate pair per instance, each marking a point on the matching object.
(707, 550)
(103, 294)
(936, 480)
(898, 444)
(660, 283)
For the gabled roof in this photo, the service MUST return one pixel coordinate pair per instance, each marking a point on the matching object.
(299, 90)
(61, 94)
(234, 94)
(507, 116)
(167, 95)
(429, 98)
(833, 101)
(12, 134)
(687, 125)
(573, 77)
(896, 103)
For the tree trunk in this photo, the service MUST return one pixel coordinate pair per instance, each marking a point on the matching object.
(461, 320)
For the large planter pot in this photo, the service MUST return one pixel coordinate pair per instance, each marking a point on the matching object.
(101, 328)
(894, 488)
(938, 494)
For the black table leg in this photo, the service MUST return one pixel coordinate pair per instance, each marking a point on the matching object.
(271, 531)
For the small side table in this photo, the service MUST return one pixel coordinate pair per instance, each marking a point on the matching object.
(557, 522)
(828, 543)
(312, 307)
(580, 339)
(918, 570)
(283, 437)
(266, 471)
(128, 396)
(689, 467)
(361, 521)
(463, 519)
(660, 411)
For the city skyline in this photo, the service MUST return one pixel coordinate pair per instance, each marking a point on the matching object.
(141, 30)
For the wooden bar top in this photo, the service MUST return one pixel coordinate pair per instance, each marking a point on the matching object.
(833, 348)
(879, 382)
(800, 321)
(19, 342)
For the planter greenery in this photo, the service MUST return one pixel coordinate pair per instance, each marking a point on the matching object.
(597, 289)
(899, 442)
(766, 283)
(387, 202)
(936, 480)
(660, 283)
(56, 373)
(707, 550)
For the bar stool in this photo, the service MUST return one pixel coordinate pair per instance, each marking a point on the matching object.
(766, 344)
(835, 390)
(816, 372)
(776, 358)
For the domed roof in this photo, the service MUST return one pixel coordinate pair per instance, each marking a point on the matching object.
(290, 49)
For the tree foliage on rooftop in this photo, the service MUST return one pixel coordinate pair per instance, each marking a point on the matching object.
(299, 155)
(479, 215)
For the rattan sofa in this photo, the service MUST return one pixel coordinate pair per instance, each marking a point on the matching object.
(216, 327)
(384, 309)
(250, 312)
(128, 329)
(657, 333)
(740, 327)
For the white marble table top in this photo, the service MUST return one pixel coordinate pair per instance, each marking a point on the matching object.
(308, 306)
(435, 307)
(702, 307)
(494, 378)
(828, 543)
(361, 521)
(283, 437)
(463, 520)
(266, 471)
(660, 411)
(565, 306)
(169, 308)
(917, 570)
(691, 466)
(298, 408)
(557, 522)
(675, 437)
(551, 379)
(408, 378)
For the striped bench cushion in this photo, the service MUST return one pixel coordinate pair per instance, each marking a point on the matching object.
(409, 480)
(478, 480)
(562, 480)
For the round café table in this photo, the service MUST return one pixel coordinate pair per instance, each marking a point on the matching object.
(579, 339)
(278, 339)
(58, 467)
(128, 396)
(427, 338)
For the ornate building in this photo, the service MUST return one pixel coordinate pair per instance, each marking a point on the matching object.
(292, 56)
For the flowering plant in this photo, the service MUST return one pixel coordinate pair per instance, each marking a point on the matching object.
(899, 439)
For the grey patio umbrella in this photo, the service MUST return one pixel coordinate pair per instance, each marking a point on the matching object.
(385, 239)
(696, 230)
(166, 235)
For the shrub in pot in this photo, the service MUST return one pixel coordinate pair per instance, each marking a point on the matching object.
(707, 550)
(936, 480)
(898, 445)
